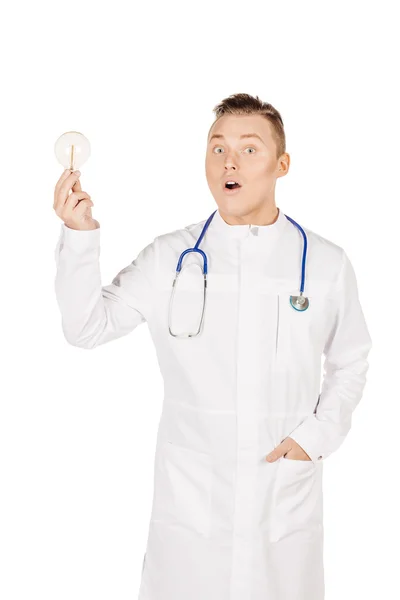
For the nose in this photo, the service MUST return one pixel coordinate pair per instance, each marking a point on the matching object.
(230, 160)
(229, 164)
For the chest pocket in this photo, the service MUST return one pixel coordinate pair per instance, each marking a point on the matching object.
(301, 335)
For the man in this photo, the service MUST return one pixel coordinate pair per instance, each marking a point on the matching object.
(245, 427)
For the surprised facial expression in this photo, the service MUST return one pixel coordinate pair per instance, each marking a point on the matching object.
(241, 149)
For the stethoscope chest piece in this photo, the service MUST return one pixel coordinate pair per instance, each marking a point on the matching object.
(299, 302)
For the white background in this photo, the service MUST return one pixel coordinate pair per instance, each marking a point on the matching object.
(78, 427)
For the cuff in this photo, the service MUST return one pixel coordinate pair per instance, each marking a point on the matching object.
(310, 437)
(80, 240)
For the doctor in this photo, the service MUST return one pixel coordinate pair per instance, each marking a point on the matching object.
(245, 426)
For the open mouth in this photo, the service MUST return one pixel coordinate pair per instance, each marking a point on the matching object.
(232, 185)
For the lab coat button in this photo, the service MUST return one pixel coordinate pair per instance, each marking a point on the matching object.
(319, 457)
(254, 230)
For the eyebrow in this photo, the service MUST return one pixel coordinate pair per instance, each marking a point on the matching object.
(244, 135)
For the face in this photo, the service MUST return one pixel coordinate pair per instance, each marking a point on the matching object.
(251, 161)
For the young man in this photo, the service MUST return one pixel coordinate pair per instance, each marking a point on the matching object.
(245, 427)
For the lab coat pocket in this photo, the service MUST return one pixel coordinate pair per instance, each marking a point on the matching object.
(297, 505)
(301, 335)
(182, 488)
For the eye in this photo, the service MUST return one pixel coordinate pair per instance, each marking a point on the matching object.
(215, 150)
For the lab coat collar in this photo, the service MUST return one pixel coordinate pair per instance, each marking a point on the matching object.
(221, 227)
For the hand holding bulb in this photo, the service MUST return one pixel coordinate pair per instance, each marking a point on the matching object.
(72, 149)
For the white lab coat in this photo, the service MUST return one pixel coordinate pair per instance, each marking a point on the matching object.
(226, 524)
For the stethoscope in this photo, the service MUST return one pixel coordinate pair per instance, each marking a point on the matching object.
(299, 303)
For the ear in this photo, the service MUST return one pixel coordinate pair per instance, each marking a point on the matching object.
(283, 164)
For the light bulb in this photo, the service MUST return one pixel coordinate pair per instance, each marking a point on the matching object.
(72, 150)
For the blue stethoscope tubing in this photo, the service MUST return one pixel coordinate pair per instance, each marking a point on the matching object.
(299, 303)
(205, 262)
(303, 260)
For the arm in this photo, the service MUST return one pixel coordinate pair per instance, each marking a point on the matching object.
(92, 314)
(346, 351)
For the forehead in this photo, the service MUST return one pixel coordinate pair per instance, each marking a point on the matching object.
(231, 127)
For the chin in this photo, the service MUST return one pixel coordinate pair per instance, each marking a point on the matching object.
(235, 205)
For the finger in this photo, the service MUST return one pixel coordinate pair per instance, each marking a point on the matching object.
(77, 187)
(81, 209)
(61, 186)
(63, 191)
(74, 199)
(279, 451)
(61, 180)
(298, 451)
(65, 211)
(63, 177)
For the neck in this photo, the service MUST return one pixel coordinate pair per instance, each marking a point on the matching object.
(266, 215)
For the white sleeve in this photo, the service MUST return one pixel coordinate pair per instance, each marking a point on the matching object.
(92, 314)
(345, 368)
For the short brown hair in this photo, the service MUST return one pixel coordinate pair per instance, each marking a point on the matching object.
(244, 104)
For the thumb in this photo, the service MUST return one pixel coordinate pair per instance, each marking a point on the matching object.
(279, 451)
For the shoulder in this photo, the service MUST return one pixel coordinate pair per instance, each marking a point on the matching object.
(325, 245)
(163, 249)
(329, 255)
(187, 235)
